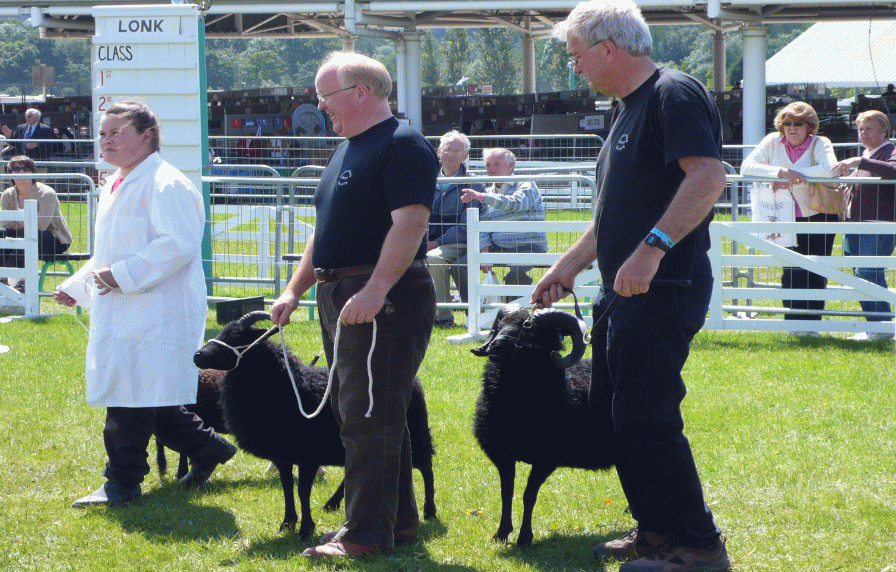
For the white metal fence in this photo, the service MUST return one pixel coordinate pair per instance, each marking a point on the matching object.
(256, 220)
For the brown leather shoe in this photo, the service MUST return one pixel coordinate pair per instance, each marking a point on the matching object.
(633, 544)
(343, 549)
(402, 537)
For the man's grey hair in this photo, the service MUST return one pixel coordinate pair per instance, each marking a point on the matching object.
(618, 20)
(505, 154)
(358, 69)
(455, 135)
(30, 112)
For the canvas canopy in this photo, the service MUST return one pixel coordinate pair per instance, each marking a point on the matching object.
(838, 54)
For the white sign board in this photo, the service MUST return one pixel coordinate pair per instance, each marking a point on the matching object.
(151, 53)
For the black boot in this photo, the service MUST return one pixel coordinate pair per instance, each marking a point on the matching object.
(111, 493)
(216, 452)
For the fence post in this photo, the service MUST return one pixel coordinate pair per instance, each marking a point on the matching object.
(32, 300)
(473, 298)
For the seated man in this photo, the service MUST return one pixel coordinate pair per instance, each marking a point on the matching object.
(447, 240)
(509, 202)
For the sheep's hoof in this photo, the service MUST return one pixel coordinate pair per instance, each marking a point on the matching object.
(287, 525)
(332, 506)
(524, 540)
(429, 511)
(305, 533)
(501, 536)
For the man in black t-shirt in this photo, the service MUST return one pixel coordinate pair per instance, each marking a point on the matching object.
(374, 296)
(659, 173)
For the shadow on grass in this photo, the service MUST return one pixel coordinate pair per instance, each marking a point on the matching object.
(560, 552)
(289, 545)
(165, 516)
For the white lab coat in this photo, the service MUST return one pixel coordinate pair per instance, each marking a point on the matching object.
(143, 335)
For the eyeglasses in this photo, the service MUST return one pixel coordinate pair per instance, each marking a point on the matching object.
(20, 170)
(573, 62)
(323, 98)
(796, 124)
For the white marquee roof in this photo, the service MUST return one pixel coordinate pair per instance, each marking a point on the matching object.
(838, 54)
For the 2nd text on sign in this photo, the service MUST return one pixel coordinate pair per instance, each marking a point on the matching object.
(140, 26)
(115, 53)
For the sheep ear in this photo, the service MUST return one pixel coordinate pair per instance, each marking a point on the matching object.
(482, 351)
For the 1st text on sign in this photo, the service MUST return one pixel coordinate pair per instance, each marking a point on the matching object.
(140, 25)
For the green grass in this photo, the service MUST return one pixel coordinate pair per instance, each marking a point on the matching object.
(794, 440)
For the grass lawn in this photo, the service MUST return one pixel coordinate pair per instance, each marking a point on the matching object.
(794, 440)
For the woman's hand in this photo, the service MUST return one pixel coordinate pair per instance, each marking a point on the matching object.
(843, 168)
(792, 177)
(104, 280)
(64, 299)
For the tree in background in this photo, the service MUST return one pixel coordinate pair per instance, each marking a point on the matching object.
(429, 74)
(498, 61)
(262, 68)
(222, 68)
(455, 53)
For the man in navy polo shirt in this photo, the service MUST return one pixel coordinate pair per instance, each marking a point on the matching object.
(659, 173)
(373, 291)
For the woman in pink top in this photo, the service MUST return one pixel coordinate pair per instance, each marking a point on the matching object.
(793, 153)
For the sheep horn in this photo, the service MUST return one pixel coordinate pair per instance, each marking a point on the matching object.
(257, 316)
(252, 317)
(570, 326)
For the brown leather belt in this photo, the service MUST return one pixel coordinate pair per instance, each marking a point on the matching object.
(332, 274)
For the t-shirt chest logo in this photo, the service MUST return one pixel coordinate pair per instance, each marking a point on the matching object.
(620, 144)
(344, 177)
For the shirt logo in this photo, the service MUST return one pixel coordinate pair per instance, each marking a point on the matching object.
(620, 145)
(344, 177)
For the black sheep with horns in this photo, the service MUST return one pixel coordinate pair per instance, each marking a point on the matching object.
(534, 406)
(261, 412)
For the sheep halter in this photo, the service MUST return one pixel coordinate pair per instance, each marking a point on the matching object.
(332, 371)
(240, 350)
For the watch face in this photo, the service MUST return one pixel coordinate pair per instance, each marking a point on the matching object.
(654, 240)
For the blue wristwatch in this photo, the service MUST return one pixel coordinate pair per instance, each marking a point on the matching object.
(659, 239)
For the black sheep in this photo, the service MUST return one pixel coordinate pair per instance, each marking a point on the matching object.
(533, 407)
(262, 413)
(207, 407)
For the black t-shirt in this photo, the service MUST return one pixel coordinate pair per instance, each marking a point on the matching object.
(670, 116)
(383, 169)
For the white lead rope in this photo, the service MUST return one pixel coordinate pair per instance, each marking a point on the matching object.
(332, 371)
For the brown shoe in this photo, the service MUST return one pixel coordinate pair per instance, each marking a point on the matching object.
(682, 558)
(343, 549)
(402, 537)
(633, 544)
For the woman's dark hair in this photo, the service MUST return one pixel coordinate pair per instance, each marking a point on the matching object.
(141, 117)
(23, 161)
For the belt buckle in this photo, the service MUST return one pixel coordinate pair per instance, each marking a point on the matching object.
(325, 274)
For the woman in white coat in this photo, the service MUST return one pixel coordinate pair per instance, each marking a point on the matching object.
(148, 309)
(792, 153)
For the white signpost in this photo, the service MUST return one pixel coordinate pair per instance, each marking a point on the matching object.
(151, 53)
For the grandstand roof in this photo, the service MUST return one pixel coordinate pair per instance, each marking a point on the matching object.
(238, 18)
(838, 54)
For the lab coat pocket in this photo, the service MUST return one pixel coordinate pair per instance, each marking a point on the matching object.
(137, 315)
